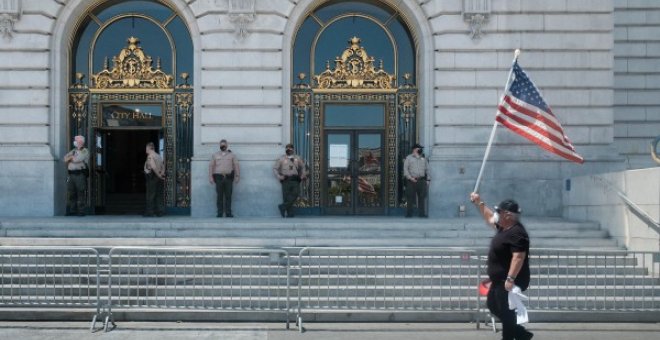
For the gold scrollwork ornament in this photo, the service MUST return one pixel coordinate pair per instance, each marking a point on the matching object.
(132, 69)
(184, 102)
(354, 70)
(79, 106)
(407, 103)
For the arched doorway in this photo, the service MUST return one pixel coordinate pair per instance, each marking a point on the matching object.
(124, 93)
(356, 118)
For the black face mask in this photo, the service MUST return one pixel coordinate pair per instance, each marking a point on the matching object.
(223, 147)
(289, 152)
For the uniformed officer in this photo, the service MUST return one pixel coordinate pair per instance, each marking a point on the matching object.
(224, 172)
(76, 163)
(154, 171)
(290, 170)
(418, 176)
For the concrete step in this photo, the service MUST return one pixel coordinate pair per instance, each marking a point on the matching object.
(304, 223)
(284, 233)
(108, 231)
(294, 242)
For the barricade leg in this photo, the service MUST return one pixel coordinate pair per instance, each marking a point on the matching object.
(91, 328)
(299, 323)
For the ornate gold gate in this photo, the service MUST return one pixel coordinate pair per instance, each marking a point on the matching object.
(133, 94)
(354, 80)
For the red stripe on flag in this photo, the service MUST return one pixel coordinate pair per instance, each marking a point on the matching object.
(546, 117)
(531, 125)
(524, 111)
(532, 114)
(538, 136)
(570, 156)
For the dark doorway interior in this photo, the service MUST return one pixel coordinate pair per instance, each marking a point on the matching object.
(124, 176)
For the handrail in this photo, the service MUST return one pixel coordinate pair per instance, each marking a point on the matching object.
(637, 211)
(654, 147)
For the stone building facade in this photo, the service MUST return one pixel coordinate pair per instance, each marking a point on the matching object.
(596, 62)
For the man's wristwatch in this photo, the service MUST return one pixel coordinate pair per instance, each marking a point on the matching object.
(510, 279)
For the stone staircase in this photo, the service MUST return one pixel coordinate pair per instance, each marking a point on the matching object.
(108, 231)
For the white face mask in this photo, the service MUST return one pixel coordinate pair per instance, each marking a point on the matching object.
(495, 218)
(75, 144)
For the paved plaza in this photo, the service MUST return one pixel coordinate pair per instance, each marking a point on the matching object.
(320, 331)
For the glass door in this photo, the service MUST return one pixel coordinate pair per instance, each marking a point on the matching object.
(353, 172)
(368, 177)
(97, 158)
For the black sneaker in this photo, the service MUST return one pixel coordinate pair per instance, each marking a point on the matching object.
(218, 215)
(229, 215)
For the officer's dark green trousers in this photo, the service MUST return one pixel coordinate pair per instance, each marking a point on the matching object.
(290, 193)
(154, 201)
(224, 186)
(75, 188)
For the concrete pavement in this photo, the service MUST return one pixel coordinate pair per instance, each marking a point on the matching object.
(320, 331)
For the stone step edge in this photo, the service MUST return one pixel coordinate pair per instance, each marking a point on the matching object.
(309, 318)
(262, 242)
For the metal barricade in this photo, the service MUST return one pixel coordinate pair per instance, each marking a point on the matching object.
(50, 277)
(221, 279)
(425, 280)
(586, 281)
(593, 280)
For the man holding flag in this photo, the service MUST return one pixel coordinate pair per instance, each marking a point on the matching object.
(523, 110)
(508, 263)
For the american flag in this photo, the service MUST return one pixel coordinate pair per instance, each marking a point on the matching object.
(524, 111)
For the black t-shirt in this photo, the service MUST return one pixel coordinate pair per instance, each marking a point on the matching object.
(502, 247)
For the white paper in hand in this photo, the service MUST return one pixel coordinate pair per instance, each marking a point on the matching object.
(516, 298)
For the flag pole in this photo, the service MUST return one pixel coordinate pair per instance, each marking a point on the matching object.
(492, 131)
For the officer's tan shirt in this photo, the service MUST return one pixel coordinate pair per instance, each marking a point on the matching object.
(80, 159)
(415, 167)
(223, 163)
(289, 166)
(154, 163)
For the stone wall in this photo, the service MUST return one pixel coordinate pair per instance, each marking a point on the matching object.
(594, 198)
(636, 79)
(567, 51)
(27, 164)
(242, 94)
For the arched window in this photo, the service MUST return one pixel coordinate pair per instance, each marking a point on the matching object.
(103, 32)
(327, 29)
(355, 62)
